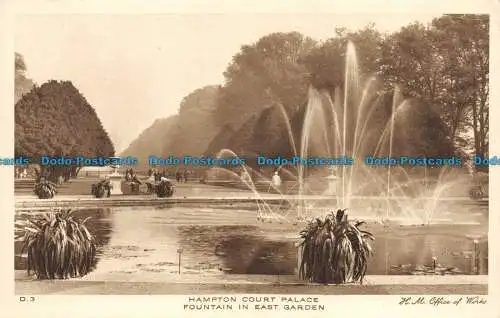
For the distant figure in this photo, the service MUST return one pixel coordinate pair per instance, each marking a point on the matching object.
(276, 179)
(204, 177)
(245, 177)
(135, 179)
(151, 178)
(151, 181)
(186, 175)
(135, 182)
(150, 172)
(178, 176)
(45, 174)
(107, 183)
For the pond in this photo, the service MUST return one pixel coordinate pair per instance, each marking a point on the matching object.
(228, 240)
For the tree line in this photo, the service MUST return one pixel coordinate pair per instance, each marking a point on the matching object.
(442, 69)
(55, 119)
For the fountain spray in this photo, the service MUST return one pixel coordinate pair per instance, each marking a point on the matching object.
(391, 137)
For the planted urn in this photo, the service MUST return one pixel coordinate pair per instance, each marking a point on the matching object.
(45, 189)
(164, 188)
(59, 246)
(334, 250)
(101, 189)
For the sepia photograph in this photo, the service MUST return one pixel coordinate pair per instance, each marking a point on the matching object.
(252, 162)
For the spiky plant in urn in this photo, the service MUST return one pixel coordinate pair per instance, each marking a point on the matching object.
(59, 246)
(45, 189)
(102, 188)
(164, 188)
(334, 250)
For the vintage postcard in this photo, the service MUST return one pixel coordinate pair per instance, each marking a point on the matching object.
(178, 160)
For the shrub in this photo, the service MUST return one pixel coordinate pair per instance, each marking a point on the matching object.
(164, 188)
(45, 189)
(334, 250)
(59, 246)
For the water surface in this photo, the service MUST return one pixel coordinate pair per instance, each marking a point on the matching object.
(225, 240)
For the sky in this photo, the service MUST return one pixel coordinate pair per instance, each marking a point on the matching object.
(134, 69)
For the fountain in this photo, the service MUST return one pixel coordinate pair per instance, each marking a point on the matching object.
(346, 127)
(276, 180)
(333, 183)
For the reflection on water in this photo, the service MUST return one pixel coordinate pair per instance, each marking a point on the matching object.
(230, 240)
(238, 249)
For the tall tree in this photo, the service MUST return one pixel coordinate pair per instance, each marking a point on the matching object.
(463, 41)
(263, 74)
(196, 124)
(326, 62)
(56, 120)
(22, 84)
(445, 64)
(409, 59)
(150, 141)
